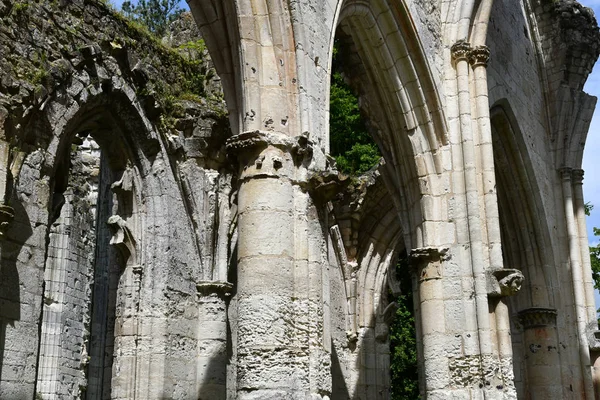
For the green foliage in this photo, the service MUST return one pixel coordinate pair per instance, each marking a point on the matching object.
(193, 48)
(350, 142)
(594, 251)
(155, 14)
(355, 153)
(20, 9)
(595, 259)
(403, 342)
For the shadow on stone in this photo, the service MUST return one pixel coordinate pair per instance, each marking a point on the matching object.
(10, 296)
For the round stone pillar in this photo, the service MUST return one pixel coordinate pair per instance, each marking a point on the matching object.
(542, 357)
(271, 362)
(211, 376)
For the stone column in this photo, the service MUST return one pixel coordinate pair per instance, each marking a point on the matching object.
(428, 269)
(271, 362)
(577, 282)
(542, 353)
(502, 283)
(211, 377)
(579, 204)
(129, 382)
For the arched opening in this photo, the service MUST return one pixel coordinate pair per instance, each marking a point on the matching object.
(356, 153)
(525, 247)
(389, 223)
(92, 273)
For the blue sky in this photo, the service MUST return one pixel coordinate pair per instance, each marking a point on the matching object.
(591, 161)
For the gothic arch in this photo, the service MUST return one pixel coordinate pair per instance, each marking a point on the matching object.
(526, 246)
(138, 179)
(526, 240)
(399, 95)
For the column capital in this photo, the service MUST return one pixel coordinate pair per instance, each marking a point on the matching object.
(577, 176)
(220, 288)
(270, 153)
(479, 56)
(426, 262)
(252, 140)
(565, 173)
(425, 254)
(537, 317)
(461, 50)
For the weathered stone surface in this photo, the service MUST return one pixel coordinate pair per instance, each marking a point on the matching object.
(154, 246)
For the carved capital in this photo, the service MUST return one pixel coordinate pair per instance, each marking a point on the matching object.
(269, 153)
(537, 317)
(427, 262)
(504, 282)
(7, 214)
(325, 185)
(255, 141)
(461, 50)
(565, 173)
(219, 288)
(577, 176)
(479, 56)
(426, 254)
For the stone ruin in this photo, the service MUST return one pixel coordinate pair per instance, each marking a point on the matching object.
(173, 227)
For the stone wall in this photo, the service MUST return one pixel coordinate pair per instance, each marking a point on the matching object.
(115, 163)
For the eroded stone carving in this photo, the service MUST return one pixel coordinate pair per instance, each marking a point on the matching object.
(504, 282)
(122, 238)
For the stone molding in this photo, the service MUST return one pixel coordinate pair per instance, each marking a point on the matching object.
(537, 317)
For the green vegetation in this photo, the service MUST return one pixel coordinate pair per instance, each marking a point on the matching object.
(156, 15)
(147, 22)
(351, 145)
(19, 9)
(403, 340)
(594, 252)
(355, 152)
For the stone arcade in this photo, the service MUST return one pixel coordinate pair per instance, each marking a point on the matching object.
(153, 254)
